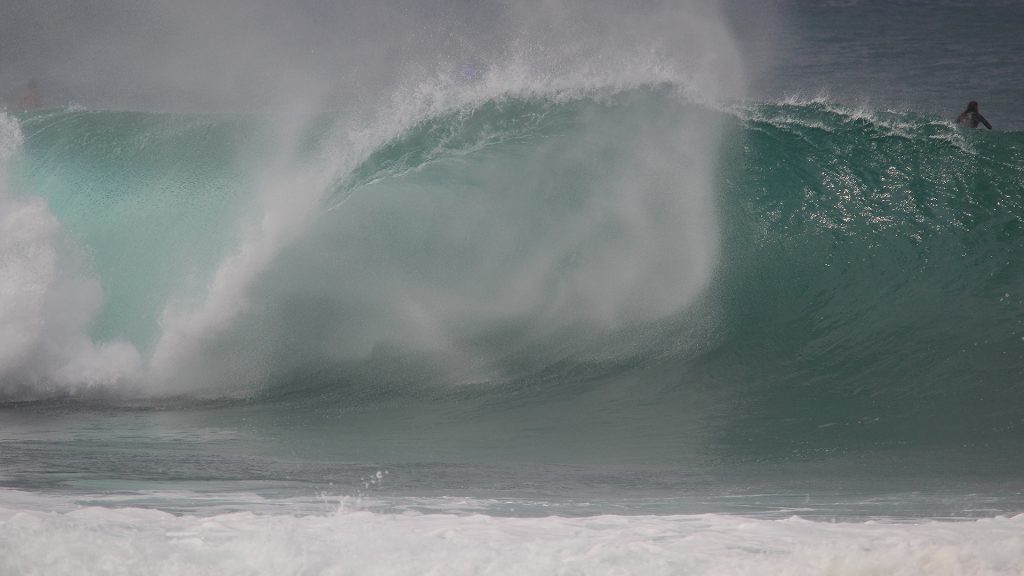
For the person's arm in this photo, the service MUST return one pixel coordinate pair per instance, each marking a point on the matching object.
(983, 121)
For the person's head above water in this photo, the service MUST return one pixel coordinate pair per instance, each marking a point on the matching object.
(971, 117)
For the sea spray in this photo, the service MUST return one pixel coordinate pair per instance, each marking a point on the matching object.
(577, 268)
(581, 61)
(641, 246)
(290, 194)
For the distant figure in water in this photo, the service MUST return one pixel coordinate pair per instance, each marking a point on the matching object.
(30, 98)
(971, 117)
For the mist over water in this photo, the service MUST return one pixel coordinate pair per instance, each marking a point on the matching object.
(331, 108)
(231, 55)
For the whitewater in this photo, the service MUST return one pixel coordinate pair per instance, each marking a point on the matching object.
(578, 304)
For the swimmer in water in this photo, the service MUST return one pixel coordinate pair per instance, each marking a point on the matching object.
(971, 117)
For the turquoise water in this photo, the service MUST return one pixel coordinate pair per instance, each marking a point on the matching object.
(859, 290)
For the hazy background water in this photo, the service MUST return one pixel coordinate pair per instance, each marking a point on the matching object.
(925, 56)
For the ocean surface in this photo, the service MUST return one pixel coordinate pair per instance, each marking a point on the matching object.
(608, 321)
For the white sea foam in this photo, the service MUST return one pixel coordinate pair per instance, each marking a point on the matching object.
(43, 535)
(48, 299)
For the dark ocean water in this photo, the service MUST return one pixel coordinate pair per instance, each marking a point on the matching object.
(918, 55)
(591, 325)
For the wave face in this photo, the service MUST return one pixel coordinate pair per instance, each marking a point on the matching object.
(601, 264)
(871, 280)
